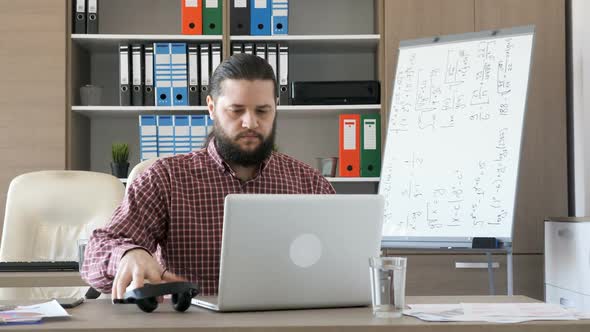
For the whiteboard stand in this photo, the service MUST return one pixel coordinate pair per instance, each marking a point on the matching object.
(509, 273)
(451, 159)
(488, 252)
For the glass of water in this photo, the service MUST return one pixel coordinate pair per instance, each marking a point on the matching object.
(81, 248)
(388, 285)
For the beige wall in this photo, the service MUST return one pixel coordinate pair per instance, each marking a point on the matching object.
(32, 88)
(580, 74)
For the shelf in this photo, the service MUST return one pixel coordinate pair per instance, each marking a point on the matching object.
(338, 179)
(114, 111)
(327, 109)
(318, 43)
(110, 42)
(345, 179)
(297, 43)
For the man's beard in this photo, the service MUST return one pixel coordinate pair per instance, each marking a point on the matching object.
(232, 153)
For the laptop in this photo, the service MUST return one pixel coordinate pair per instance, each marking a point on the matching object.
(296, 251)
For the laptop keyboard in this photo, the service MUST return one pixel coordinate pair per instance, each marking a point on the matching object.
(39, 266)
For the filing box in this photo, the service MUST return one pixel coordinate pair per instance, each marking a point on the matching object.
(567, 262)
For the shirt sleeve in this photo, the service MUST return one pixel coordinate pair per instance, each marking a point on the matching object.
(139, 222)
(323, 186)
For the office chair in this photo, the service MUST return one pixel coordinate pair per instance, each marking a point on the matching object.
(47, 212)
(138, 169)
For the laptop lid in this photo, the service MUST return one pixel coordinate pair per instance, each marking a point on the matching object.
(298, 251)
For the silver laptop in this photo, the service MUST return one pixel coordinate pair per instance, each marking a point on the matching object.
(296, 251)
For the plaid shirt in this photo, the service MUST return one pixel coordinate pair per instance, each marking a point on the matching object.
(177, 205)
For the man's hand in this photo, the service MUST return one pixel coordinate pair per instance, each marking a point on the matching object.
(136, 266)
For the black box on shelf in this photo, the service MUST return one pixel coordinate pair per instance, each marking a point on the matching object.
(335, 93)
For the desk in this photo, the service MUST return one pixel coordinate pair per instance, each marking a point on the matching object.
(101, 315)
(40, 279)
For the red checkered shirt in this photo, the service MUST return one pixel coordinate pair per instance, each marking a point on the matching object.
(177, 205)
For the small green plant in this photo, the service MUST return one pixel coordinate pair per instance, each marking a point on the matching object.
(120, 153)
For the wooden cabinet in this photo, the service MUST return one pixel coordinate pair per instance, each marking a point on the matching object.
(542, 184)
(33, 89)
(410, 19)
(467, 274)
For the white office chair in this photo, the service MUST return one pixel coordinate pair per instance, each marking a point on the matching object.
(47, 212)
(138, 169)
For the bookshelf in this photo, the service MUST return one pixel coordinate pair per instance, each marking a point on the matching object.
(283, 110)
(328, 40)
(331, 179)
(110, 42)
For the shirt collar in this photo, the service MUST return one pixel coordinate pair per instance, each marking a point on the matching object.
(212, 151)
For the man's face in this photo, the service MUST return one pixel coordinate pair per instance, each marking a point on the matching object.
(244, 120)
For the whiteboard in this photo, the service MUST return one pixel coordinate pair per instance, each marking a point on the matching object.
(450, 162)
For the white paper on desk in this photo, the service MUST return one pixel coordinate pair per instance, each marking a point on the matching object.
(437, 312)
(532, 311)
(34, 313)
(579, 314)
(488, 312)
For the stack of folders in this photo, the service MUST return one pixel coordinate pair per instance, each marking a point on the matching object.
(166, 74)
(278, 58)
(259, 17)
(85, 16)
(201, 17)
(169, 135)
(359, 145)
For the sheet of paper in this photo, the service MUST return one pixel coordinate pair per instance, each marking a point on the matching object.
(489, 312)
(33, 313)
(539, 310)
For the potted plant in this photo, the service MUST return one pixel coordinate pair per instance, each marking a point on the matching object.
(120, 163)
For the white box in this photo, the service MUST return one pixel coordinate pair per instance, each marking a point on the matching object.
(567, 298)
(567, 255)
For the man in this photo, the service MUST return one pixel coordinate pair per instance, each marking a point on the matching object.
(176, 205)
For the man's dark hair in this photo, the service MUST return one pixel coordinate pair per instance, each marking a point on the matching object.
(241, 66)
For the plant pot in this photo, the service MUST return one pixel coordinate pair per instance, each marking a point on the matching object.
(119, 169)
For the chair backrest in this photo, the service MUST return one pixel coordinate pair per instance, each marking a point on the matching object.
(47, 212)
(138, 169)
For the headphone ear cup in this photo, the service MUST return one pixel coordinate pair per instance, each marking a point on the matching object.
(181, 301)
(148, 305)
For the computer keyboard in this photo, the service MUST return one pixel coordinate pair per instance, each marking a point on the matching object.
(39, 266)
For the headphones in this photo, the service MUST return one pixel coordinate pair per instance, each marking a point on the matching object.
(146, 297)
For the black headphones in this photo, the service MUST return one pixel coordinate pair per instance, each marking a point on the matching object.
(146, 297)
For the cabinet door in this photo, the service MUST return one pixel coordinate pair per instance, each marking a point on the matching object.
(542, 184)
(410, 19)
(441, 274)
(32, 88)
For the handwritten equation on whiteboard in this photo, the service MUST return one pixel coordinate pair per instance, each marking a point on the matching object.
(451, 160)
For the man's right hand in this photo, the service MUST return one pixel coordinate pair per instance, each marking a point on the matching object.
(136, 266)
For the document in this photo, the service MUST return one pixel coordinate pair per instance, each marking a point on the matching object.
(489, 312)
(33, 313)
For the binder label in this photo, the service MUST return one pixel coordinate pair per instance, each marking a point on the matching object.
(80, 6)
(283, 65)
(370, 139)
(136, 63)
(92, 6)
(349, 134)
(211, 3)
(124, 68)
(191, 3)
(148, 130)
(192, 65)
(241, 3)
(149, 69)
(259, 3)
